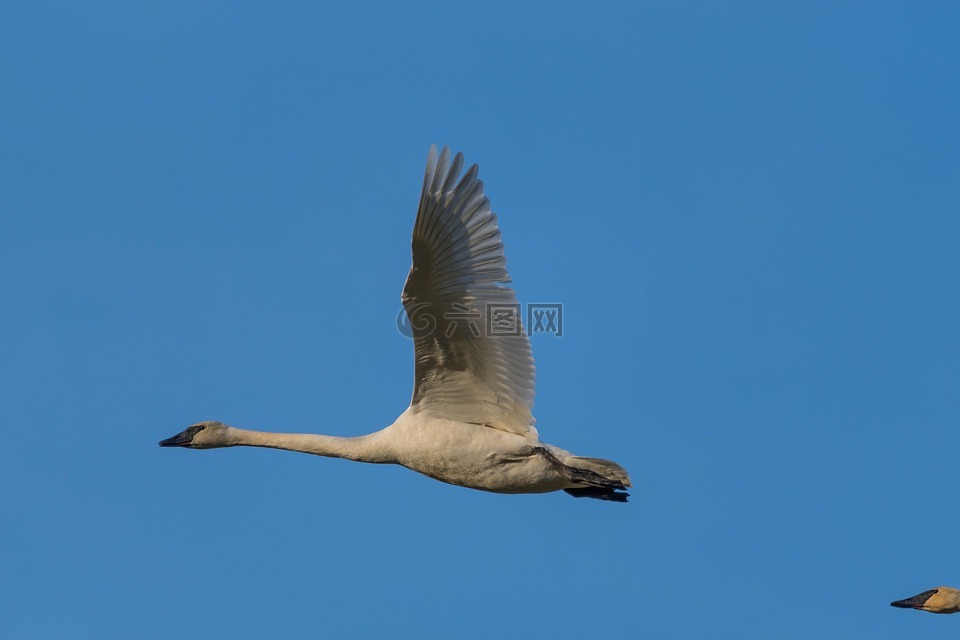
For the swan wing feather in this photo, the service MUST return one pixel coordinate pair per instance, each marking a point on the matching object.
(468, 367)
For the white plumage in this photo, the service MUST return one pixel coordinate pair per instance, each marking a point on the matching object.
(469, 422)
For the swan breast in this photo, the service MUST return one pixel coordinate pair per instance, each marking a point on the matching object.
(472, 455)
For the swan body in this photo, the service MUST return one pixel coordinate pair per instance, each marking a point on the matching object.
(469, 422)
(939, 600)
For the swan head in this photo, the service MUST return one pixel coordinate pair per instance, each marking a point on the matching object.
(939, 600)
(202, 435)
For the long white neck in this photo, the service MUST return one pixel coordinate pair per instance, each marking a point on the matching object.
(369, 448)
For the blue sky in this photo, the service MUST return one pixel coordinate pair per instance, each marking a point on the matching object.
(749, 212)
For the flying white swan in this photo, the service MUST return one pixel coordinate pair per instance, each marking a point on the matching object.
(469, 422)
(939, 600)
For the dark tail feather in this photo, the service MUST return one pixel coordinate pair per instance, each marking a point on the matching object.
(599, 493)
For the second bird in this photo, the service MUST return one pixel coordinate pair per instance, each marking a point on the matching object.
(939, 600)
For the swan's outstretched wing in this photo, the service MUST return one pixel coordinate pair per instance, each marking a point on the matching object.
(468, 367)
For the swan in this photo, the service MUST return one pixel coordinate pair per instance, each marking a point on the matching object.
(939, 600)
(469, 422)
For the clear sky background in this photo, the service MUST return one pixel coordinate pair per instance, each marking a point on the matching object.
(749, 212)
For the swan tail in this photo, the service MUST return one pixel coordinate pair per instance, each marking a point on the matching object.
(606, 469)
(592, 477)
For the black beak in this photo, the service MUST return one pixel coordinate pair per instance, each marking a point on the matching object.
(182, 439)
(916, 602)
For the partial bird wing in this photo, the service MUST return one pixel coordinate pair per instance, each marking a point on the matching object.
(473, 358)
